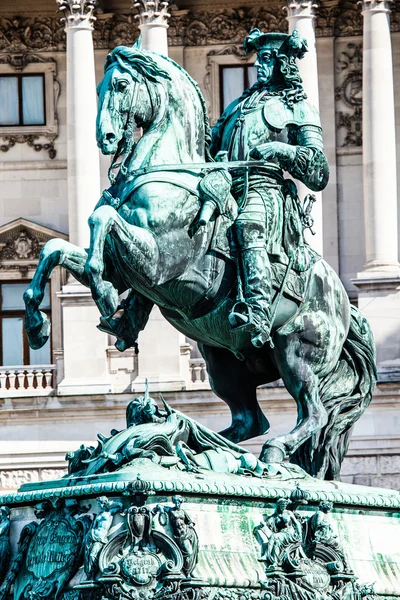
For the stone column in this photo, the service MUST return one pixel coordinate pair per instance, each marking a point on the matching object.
(85, 360)
(153, 18)
(301, 16)
(379, 282)
(379, 146)
(161, 360)
(83, 155)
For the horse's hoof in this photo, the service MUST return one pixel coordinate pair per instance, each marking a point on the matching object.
(38, 334)
(106, 298)
(273, 452)
(121, 345)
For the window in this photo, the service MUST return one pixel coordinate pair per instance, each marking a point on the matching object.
(234, 80)
(14, 347)
(22, 100)
(29, 93)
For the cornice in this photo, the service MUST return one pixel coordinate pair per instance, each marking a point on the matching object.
(186, 27)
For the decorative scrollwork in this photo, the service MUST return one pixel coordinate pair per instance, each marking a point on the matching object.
(349, 94)
(9, 141)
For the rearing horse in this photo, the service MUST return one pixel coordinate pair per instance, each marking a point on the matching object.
(143, 240)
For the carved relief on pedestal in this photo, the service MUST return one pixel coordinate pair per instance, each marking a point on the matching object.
(349, 95)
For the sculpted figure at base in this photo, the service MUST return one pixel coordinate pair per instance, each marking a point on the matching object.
(208, 226)
(184, 532)
(97, 536)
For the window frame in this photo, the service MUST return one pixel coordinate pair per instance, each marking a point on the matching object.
(224, 57)
(20, 77)
(19, 313)
(246, 80)
(48, 72)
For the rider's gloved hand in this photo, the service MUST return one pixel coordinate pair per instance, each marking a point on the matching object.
(273, 151)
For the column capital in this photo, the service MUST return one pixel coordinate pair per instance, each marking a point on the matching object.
(300, 8)
(151, 12)
(78, 13)
(375, 5)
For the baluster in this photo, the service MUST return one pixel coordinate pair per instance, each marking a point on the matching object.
(206, 379)
(19, 379)
(48, 375)
(38, 378)
(3, 380)
(197, 373)
(12, 377)
(30, 376)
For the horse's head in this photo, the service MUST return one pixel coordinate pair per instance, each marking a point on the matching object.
(126, 99)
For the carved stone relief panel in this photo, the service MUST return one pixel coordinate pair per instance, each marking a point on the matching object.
(348, 93)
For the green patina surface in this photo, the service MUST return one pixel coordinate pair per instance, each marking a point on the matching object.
(207, 225)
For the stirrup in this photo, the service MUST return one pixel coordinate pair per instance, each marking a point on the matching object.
(241, 315)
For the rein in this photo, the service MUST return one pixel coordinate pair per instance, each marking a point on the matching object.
(209, 166)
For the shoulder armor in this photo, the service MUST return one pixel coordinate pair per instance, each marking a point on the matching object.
(278, 115)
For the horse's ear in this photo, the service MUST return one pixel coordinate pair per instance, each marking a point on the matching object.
(138, 44)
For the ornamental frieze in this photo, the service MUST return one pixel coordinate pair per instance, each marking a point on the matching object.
(186, 27)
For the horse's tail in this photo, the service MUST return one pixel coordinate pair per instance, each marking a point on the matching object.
(345, 393)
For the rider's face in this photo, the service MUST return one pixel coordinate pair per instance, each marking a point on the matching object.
(265, 65)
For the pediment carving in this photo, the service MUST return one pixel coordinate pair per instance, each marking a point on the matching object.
(21, 242)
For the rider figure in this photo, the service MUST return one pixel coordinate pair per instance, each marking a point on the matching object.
(271, 121)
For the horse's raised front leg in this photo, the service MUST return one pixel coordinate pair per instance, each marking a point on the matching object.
(138, 249)
(55, 252)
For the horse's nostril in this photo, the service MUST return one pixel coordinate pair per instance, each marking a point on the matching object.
(110, 137)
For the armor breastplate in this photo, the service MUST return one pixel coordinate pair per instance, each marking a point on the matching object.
(247, 128)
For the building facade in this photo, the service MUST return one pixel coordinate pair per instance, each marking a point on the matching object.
(51, 176)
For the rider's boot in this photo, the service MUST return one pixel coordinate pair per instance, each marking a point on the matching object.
(255, 312)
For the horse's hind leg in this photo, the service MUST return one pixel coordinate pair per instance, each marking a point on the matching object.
(233, 383)
(307, 347)
(55, 252)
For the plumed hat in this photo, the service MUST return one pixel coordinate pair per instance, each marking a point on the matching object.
(290, 44)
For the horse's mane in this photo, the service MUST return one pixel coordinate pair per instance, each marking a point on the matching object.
(144, 63)
(207, 128)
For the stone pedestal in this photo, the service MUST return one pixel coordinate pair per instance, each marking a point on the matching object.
(85, 358)
(182, 535)
(379, 282)
(301, 16)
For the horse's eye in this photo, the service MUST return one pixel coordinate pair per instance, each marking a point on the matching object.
(122, 85)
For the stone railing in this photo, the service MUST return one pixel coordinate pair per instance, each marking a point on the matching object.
(198, 376)
(27, 380)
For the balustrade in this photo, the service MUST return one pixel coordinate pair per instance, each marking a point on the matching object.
(27, 380)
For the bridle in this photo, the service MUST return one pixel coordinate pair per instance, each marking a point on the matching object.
(127, 142)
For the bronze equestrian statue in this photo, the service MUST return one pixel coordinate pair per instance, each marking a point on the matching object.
(208, 227)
